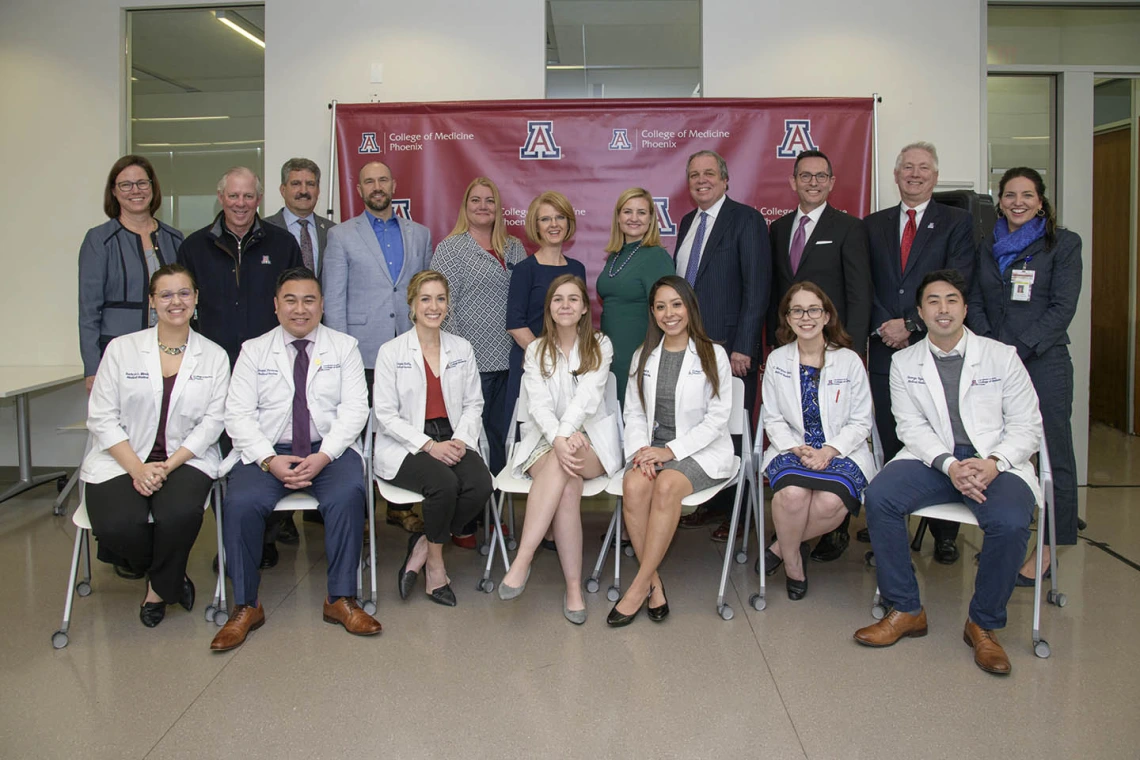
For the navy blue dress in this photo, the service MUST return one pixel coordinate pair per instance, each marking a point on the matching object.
(841, 477)
(529, 283)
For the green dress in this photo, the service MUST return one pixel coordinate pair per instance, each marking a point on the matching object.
(625, 301)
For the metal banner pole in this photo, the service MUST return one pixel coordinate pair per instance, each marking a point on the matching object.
(875, 101)
(331, 173)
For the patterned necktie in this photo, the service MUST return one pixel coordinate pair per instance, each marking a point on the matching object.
(909, 232)
(306, 245)
(302, 445)
(799, 240)
(695, 251)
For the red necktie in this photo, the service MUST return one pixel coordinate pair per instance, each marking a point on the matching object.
(909, 232)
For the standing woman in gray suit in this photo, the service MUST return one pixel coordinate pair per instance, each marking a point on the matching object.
(1025, 290)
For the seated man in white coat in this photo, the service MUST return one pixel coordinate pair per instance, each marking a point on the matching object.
(967, 416)
(296, 405)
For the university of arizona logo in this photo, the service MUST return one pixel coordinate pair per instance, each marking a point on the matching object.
(402, 207)
(540, 144)
(797, 138)
(665, 223)
(368, 143)
(620, 140)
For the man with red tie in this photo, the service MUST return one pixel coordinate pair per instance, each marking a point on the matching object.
(908, 241)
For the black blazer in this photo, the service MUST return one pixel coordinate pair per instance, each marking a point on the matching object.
(944, 241)
(734, 278)
(1036, 325)
(837, 259)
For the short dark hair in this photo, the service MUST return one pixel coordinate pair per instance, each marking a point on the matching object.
(297, 273)
(300, 165)
(810, 154)
(111, 204)
(951, 276)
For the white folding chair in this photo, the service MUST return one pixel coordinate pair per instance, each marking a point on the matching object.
(960, 513)
(57, 507)
(82, 549)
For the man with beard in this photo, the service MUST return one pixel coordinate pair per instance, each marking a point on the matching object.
(367, 266)
(301, 189)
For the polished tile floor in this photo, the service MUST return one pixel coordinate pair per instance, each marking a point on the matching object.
(515, 680)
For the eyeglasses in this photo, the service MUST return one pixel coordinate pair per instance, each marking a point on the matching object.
(125, 187)
(815, 312)
(819, 177)
(166, 296)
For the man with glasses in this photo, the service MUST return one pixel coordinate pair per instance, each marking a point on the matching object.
(820, 244)
(300, 190)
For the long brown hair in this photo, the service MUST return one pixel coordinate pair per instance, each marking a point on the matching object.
(1039, 186)
(589, 349)
(833, 332)
(696, 329)
(499, 236)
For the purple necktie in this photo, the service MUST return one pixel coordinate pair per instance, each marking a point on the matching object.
(302, 445)
(695, 251)
(306, 245)
(799, 240)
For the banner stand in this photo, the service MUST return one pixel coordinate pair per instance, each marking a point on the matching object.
(876, 99)
(331, 173)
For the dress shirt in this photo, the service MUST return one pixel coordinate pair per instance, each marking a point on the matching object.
(809, 228)
(391, 243)
(685, 250)
(919, 210)
(291, 351)
(292, 224)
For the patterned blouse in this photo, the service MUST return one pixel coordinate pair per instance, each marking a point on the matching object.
(479, 286)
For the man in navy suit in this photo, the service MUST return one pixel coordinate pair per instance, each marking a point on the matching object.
(726, 257)
(908, 241)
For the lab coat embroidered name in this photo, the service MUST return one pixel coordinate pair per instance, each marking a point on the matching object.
(135, 375)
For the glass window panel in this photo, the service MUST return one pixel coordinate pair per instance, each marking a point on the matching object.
(1021, 126)
(1063, 36)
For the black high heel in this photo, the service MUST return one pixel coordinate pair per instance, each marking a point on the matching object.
(657, 614)
(617, 620)
(797, 590)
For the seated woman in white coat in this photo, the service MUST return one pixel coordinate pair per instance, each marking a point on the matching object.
(570, 437)
(818, 415)
(429, 404)
(677, 406)
(158, 403)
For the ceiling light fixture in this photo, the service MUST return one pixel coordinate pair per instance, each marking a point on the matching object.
(240, 25)
(180, 118)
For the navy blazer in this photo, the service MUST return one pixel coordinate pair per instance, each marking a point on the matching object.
(734, 277)
(945, 240)
(1036, 325)
(836, 258)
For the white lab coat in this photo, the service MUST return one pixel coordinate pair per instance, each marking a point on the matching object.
(127, 397)
(845, 408)
(702, 419)
(563, 404)
(399, 397)
(995, 399)
(260, 403)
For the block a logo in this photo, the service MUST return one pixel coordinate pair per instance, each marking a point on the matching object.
(665, 223)
(540, 144)
(402, 207)
(797, 138)
(368, 143)
(620, 140)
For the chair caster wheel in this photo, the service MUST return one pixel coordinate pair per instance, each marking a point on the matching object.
(211, 612)
(512, 544)
(758, 602)
(741, 557)
(484, 550)
(59, 640)
(1041, 649)
(1056, 598)
(60, 484)
(592, 586)
(726, 612)
(369, 607)
(486, 585)
(83, 588)
(613, 593)
(878, 612)
(628, 550)
(869, 559)
(221, 617)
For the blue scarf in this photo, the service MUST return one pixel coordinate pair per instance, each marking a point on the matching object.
(1009, 245)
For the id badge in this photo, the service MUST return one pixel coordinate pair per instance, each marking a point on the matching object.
(1021, 284)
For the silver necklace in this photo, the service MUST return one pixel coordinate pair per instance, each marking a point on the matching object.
(171, 351)
(617, 255)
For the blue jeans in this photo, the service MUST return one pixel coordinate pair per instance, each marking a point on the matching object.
(903, 487)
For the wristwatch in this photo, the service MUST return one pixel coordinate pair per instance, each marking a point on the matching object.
(1001, 465)
(910, 325)
(265, 462)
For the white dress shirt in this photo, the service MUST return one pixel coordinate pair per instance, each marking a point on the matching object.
(919, 210)
(686, 248)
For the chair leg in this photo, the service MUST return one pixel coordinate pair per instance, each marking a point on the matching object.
(512, 537)
(592, 582)
(614, 592)
(59, 638)
(485, 583)
(919, 535)
(724, 610)
(372, 551)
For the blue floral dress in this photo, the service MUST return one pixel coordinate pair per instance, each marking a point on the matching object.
(841, 477)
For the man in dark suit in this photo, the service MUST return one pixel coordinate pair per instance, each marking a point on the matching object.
(301, 189)
(908, 242)
(817, 243)
(722, 250)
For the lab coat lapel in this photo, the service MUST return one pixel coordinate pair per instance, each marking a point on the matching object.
(153, 364)
(189, 362)
(937, 394)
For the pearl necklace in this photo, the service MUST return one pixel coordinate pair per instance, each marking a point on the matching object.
(171, 351)
(617, 255)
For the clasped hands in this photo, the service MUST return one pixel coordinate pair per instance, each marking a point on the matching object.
(647, 458)
(298, 472)
(567, 450)
(972, 476)
(448, 452)
(894, 333)
(815, 459)
(149, 477)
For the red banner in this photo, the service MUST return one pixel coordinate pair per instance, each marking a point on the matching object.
(592, 150)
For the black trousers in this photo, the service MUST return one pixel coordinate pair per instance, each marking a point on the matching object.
(453, 496)
(161, 549)
(1052, 376)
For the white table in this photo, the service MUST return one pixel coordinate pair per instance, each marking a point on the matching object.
(19, 382)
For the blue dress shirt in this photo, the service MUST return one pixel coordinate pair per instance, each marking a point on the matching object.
(391, 243)
(294, 227)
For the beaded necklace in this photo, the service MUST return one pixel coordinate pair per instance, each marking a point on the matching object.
(612, 272)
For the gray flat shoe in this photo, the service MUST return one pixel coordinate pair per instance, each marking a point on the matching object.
(507, 593)
(577, 617)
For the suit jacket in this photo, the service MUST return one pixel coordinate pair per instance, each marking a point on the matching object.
(360, 297)
(734, 277)
(323, 225)
(944, 241)
(837, 259)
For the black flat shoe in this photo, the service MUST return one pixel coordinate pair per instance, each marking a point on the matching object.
(405, 579)
(548, 544)
(443, 595)
(269, 556)
(617, 620)
(126, 573)
(772, 562)
(945, 551)
(187, 597)
(657, 614)
(152, 613)
(1026, 580)
(797, 590)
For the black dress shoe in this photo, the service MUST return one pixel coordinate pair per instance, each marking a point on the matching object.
(187, 597)
(405, 579)
(863, 536)
(443, 595)
(269, 556)
(152, 613)
(797, 590)
(831, 546)
(288, 534)
(125, 572)
(548, 544)
(1027, 580)
(945, 551)
(657, 614)
(616, 619)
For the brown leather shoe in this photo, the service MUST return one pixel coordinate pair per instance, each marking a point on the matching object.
(892, 628)
(406, 519)
(233, 633)
(694, 519)
(348, 613)
(988, 654)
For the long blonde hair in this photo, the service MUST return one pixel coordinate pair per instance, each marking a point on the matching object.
(499, 236)
(589, 349)
(652, 235)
